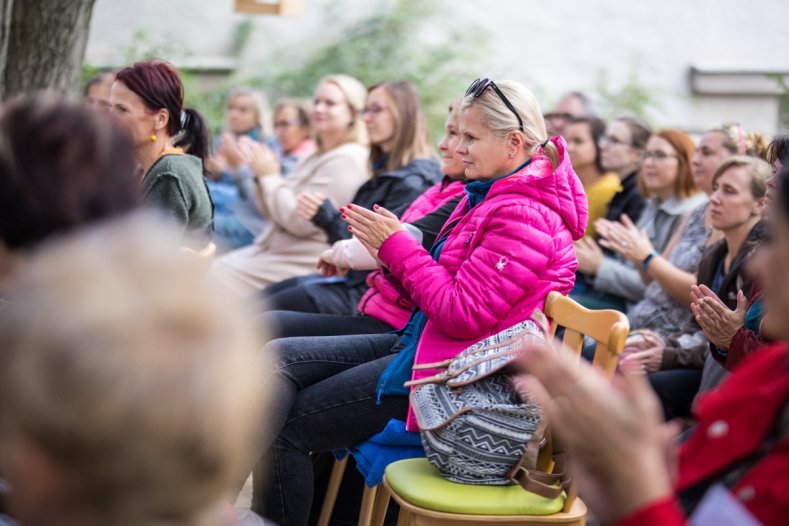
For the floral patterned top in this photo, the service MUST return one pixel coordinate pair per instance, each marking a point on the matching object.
(658, 311)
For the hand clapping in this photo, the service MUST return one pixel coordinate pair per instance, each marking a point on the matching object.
(371, 227)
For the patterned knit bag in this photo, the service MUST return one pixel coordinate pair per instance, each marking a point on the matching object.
(475, 428)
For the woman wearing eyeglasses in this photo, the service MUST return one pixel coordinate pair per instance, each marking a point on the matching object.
(293, 132)
(506, 246)
(667, 181)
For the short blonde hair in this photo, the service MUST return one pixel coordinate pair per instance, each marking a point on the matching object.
(758, 169)
(262, 109)
(134, 373)
(355, 97)
(502, 121)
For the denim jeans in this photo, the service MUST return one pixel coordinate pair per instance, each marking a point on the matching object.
(326, 389)
(288, 324)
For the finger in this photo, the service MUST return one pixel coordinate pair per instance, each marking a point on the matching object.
(357, 222)
(628, 222)
(361, 211)
(611, 245)
(709, 293)
(384, 212)
(742, 301)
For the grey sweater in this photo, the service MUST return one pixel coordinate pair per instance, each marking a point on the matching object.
(175, 185)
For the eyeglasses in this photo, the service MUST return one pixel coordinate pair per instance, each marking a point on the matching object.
(286, 124)
(557, 116)
(479, 86)
(610, 139)
(658, 156)
(372, 110)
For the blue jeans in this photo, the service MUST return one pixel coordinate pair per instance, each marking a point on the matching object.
(326, 389)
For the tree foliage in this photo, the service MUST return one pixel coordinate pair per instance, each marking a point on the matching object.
(397, 41)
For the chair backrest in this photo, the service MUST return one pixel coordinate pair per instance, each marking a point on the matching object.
(609, 328)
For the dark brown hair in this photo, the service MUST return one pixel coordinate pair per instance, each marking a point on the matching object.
(597, 129)
(159, 86)
(61, 166)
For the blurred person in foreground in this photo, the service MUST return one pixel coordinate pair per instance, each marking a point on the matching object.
(735, 465)
(62, 166)
(135, 411)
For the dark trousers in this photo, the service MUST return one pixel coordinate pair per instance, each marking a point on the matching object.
(676, 389)
(288, 324)
(326, 400)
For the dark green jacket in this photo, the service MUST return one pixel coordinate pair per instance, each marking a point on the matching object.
(175, 185)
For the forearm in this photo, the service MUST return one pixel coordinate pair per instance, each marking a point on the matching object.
(676, 282)
(620, 279)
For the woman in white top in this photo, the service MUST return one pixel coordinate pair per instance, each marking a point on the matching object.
(291, 245)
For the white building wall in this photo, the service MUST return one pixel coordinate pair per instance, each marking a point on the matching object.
(552, 46)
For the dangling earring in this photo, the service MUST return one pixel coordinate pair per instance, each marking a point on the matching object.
(152, 137)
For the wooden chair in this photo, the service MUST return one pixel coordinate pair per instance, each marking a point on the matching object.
(426, 498)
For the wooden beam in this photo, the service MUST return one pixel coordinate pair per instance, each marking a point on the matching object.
(271, 7)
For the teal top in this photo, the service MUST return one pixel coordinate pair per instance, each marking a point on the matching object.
(175, 185)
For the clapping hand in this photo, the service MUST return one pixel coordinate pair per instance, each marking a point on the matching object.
(625, 239)
(308, 203)
(260, 158)
(371, 227)
(718, 321)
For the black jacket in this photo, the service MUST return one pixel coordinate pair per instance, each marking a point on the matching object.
(394, 191)
(677, 355)
(628, 200)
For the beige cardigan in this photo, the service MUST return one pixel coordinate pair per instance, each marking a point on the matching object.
(290, 246)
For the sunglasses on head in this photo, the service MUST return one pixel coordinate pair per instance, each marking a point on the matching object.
(479, 86)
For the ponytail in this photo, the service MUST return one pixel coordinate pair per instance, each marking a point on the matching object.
(195, 138)
(549, 150)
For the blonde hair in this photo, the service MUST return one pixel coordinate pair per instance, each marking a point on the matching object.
(502, 121)
(355, 95)
(740, 142)
(134, 374)
(758, 169)
(261, 105)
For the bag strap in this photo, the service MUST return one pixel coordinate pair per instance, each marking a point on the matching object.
(548, 485)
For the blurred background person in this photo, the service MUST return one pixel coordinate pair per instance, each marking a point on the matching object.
(570, 106)
(97, 92)
(293, 132)
(583, 136)
(231, 183)
(290, 245)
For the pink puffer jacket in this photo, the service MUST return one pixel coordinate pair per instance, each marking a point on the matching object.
(498, 263)
(386, 299)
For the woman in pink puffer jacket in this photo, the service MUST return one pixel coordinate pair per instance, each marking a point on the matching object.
(506, 246)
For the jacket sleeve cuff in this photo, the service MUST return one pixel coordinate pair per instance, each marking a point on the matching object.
(398, 243)
(326, 215)
(664, 512)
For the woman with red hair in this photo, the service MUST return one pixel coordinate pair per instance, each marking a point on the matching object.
(170, 143)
